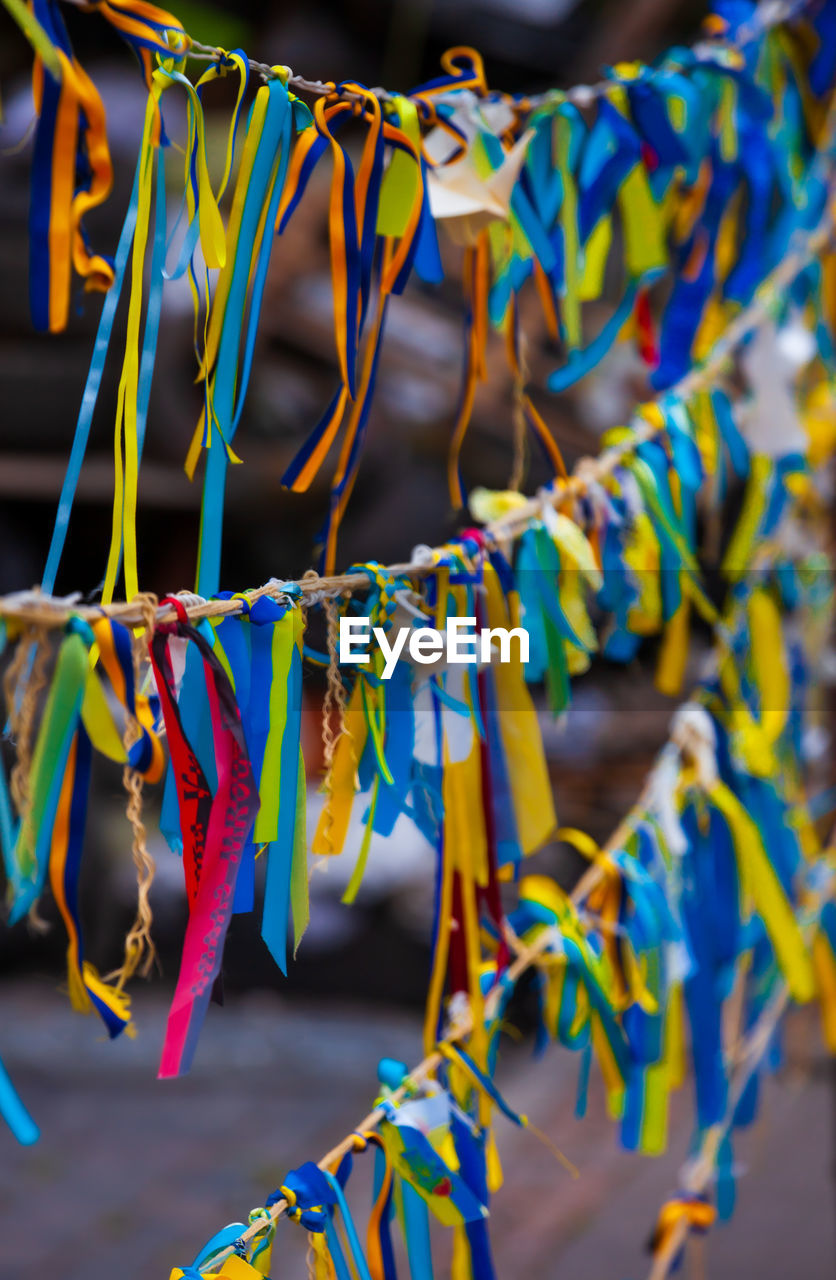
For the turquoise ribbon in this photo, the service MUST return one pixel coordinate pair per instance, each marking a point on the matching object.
(358, 1258)
(266, 184)
(14, 1113)
(91, 393)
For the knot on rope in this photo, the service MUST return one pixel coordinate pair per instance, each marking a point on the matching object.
(392, 1073)
(176, 603)
(189, 599)
(422, 555)
(307, 1192)
(309, 580)
(694, 1210)
(692, 731)
(148, 605)
(224, 60)
(384, 588)
(279, 588)
(262, 1247)
(472, 540)
(78, 626)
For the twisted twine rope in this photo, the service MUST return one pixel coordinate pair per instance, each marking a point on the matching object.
(140, 951)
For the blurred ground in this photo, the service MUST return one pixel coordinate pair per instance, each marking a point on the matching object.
(132, 1175)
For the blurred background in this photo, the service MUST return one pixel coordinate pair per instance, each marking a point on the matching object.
(131, 1175)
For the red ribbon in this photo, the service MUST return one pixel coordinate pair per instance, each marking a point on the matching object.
(214, 830)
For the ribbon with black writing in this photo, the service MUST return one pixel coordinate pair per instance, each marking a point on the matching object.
(214, 830)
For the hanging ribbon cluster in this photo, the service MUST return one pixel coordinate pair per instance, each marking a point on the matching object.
(231, 705)
(428, 1153)
(71, 166)
(456, 749)
(713, 899)
(700, 899)
(709, 169)
(646, 967)
(699, 170)
(47, 838)
(229, 698)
